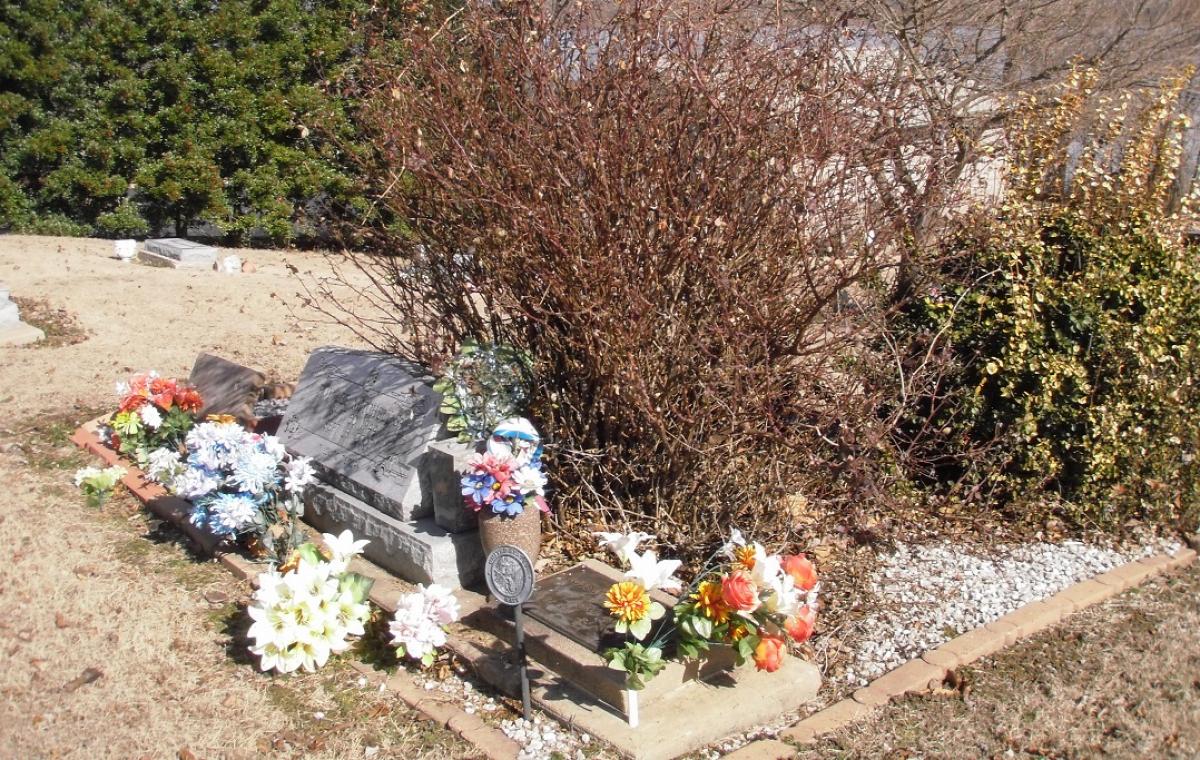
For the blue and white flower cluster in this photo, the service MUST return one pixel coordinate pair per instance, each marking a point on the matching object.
(234, 478)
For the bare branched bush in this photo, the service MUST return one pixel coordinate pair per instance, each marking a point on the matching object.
(687, 215)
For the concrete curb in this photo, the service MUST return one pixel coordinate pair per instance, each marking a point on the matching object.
(446, 714)
(931, 668)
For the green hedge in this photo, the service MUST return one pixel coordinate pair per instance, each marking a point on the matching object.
(118, 116)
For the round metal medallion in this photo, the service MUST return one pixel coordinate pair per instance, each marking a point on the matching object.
(509, 575)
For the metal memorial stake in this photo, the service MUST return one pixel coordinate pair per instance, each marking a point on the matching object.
(509, 575)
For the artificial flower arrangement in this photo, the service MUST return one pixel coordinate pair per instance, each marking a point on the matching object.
(419, 626)
(154, 413)
(508, 477)
(308, 609)
(97, 484)
(743, 597)
(482, 385)
(240, 484)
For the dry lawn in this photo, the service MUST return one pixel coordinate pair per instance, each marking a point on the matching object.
(113, 595)
(1120, 680)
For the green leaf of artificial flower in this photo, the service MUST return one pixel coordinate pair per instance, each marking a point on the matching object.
(641, 628)
(359, 586)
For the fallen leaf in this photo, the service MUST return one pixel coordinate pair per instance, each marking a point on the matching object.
(87, 676)
(186, 754)
(216, 596)
(60, 620)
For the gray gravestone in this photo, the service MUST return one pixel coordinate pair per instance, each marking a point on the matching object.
(177, 252)
(9, 314)
(366, 419)
(226, 387)
(441, 477)
(14, 332)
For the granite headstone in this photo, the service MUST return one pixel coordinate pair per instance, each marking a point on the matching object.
(226, 387)
(366, 419)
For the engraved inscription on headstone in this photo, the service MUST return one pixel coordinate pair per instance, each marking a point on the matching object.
(366, 419)
(509, 575)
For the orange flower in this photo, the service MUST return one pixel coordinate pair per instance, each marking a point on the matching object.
(709, 602)
(188, 399)
(768, 655)
(627, 601)
(739, 592)
(800, 626)
(801, 570)
(743, 557)
(737, 632)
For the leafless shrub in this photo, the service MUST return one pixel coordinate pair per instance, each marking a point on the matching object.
(688, 214)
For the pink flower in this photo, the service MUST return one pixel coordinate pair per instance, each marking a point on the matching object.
(739, 592)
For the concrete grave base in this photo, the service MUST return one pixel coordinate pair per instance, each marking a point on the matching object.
(686, 706)
(158, 260)
(177, 253)
(19, 334)
(418, 550)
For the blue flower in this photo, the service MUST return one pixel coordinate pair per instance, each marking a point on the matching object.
(511, 505)
(477, 487)
(230, 513)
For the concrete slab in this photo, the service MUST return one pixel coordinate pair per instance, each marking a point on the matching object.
(178, 252)
(418, 551)
(19, 334)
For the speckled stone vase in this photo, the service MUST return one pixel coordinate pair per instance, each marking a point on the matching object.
(523, 531)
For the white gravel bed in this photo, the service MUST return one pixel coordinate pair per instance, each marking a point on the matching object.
(929, 594)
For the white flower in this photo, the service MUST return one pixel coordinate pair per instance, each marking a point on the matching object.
(163, 465)
(652, 573)
(86, 473)
(440, 604)
(767, 567)
(343, 547)
(273, 447)
(299, 473)
(151, 416)
(624, 545)
(195, 482)
(784, 598)
(413, 629)
(530, 480)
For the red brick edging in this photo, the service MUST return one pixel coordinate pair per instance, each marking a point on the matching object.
(930, 669)
(443, 711)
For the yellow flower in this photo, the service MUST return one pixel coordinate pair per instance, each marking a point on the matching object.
(710, 603)
(222, 419)
(627, 601)
(743, 556)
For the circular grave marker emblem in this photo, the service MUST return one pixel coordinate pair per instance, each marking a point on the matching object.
(509, 575)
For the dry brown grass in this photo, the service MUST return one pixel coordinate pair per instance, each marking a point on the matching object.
(1118, 680)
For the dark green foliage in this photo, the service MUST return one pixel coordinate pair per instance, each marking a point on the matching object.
(118, 116)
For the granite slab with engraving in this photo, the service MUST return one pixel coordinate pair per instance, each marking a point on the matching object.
(177, 252)
(226, 387)
(367, 420)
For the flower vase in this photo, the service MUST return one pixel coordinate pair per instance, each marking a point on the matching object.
(523, 531)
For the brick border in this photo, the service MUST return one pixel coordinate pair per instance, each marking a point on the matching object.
(930, 669)
(443, 711)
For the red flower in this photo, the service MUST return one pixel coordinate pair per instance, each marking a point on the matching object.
(768, 655)
(800, 626)
(739, 592)
(188, 399)
(801, 570)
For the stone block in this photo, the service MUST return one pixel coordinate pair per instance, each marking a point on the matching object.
(177, 253)
(914, 675)
(418, 551)
(440, 474)
(19, 334)
(226, 387)
(975, 644)
(9, 313)
(1086, 593)
(826, 721)
(765, 749)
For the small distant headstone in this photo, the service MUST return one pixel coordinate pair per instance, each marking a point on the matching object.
(441, 482)
(177, 252)
(366, 419)
(14, 332)
(226, 387)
